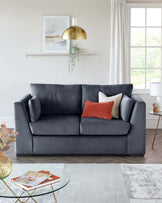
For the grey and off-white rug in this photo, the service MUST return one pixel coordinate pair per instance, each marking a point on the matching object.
(143, 181)
(108, 183)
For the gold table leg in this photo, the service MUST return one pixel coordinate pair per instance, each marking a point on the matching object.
(156, 132)
(27, 198)
(30, 194)
(32, 197)
(18, 197)
(54, 194)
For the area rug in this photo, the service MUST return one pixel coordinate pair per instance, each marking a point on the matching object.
(143, 181)
(104, 183)
(88, 183)
(94, 183)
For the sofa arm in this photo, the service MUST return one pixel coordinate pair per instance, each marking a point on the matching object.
(24, 140)
(136, 136)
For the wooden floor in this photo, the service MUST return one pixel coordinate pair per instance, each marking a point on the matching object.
(151, 156)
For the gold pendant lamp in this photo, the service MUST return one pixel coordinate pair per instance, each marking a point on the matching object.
(74, 32)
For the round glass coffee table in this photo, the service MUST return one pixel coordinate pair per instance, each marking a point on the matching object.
(9, 190)
(159, 114)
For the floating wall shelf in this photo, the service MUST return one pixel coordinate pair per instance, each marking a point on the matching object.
(32, 54)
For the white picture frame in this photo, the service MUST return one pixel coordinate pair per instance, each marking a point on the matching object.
(53, 28)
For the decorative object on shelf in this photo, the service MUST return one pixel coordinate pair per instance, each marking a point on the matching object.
(74, 32)
(155, 107)
(6, 136)
(73, 58)
(53, 27)
(156, 90)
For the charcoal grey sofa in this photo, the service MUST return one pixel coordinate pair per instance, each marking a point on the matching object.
(61, 130)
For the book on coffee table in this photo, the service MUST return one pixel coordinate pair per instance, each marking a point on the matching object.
(33, 180)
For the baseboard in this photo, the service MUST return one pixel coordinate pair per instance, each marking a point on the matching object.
(150, 123)
(9, 121)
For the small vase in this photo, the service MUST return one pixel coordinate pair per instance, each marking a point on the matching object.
(5, 166)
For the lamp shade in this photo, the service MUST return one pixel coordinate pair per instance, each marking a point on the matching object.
(74, 32)
(156, 89)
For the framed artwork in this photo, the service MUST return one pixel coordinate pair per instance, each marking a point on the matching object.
(53, 28)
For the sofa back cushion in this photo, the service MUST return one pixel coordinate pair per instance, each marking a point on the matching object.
(58, 99)
(90, 92)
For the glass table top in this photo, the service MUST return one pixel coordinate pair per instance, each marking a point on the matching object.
(156, 113)
(20, 169)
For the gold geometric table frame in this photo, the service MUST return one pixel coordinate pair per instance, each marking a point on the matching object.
(30, 194)
(156, 131)
(159, 114)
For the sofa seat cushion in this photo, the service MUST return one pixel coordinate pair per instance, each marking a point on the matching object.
(56, 125)
(98, 126)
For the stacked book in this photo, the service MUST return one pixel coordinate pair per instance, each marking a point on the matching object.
(35, 179)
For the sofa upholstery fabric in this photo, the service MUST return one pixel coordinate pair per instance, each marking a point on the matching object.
(90, 92)
(56, 125)
(126, 106)
(24, 140)
(137, 134)
(34, 109)
(79, 145)
(58, 99)
(98, 126)
(60, 129)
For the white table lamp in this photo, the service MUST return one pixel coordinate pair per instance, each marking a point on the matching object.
(156, 90)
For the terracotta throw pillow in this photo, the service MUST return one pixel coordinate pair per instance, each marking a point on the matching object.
(98, 110)
(116, 98)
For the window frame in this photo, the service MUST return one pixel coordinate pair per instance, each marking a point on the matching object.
(142, 5)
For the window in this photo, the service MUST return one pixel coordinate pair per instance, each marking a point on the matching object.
(145, 45)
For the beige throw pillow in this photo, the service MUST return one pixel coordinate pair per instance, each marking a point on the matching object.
(117, 98)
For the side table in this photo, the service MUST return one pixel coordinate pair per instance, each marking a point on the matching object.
(159, 114)
(10, 191)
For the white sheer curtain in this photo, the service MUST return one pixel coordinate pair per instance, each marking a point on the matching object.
(119, 66)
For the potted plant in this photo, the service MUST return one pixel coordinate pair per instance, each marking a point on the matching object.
(73, 57)
(6, 136)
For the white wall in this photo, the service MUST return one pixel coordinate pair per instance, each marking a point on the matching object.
(151, 121)
(21, 31)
